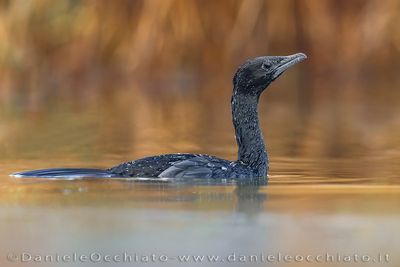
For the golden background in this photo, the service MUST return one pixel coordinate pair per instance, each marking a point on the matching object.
(162, 70)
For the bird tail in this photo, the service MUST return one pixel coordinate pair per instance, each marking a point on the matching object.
(65, 173)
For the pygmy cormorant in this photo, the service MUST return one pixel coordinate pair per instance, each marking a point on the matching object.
(250, 80)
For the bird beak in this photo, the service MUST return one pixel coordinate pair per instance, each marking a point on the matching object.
(287, 62)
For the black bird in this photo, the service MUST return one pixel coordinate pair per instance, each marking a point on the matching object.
(250, 80)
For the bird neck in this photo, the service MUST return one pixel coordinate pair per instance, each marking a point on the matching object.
(248, 134)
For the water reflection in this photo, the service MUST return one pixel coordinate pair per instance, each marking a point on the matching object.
(249, 200)
(182, 218)
(244, 194)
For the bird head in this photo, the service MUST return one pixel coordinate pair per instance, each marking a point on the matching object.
(256, 74)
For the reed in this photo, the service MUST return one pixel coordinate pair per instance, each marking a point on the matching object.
(90, 48)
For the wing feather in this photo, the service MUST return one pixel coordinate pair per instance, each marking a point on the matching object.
(196, 167)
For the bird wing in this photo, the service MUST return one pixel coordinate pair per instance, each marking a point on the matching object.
(196, 167)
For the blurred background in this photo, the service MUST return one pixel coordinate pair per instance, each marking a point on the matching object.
(96, 83)
(112, 80)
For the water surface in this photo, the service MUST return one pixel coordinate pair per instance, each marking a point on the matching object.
(325, 195)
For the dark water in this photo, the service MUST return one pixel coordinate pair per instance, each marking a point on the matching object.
(333, 188)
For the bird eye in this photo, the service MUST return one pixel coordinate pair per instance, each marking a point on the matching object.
(266, 65)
